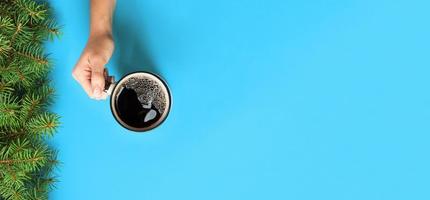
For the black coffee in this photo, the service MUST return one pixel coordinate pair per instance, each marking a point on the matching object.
(133, 112)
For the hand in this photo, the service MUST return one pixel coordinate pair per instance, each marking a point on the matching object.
(90, 68)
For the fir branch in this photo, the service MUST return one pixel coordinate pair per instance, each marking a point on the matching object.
(5, 88)
(47, 29)
(6, 25)
(32, 9)
(31, 104)
(17, 76)
(38, 59)
(44, 124)
(5, 46)
(44, 91)
(15, 161)
(26, 161)
(9, 111)
(11, 135)
(26, 155)
(18, 29)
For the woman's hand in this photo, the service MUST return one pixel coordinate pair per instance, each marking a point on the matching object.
(90, 68)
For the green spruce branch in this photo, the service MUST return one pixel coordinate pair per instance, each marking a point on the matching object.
(26, 161)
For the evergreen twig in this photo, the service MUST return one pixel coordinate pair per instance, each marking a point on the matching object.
(26, 160)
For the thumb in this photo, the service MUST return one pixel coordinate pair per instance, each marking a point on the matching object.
(97, 81)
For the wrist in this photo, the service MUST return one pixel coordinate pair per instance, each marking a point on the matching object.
(100, 33)
(97, 34)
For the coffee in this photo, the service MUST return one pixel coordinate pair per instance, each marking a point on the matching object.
(132, 112)
(140, 101)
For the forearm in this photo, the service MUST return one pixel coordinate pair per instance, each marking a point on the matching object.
(101, 17)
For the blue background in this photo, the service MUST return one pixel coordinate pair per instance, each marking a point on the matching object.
(275, 99)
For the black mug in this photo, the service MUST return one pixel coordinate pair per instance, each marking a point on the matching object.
(139, 101)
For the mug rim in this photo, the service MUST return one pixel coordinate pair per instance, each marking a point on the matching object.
(140, 130)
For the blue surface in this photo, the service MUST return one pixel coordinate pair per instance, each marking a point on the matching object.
(272, 100)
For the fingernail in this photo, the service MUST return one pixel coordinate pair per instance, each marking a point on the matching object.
(97, 92)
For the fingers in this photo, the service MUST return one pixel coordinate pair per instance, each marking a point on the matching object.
(83, 78)
(89, 72)
(97, 82)
(97, 78)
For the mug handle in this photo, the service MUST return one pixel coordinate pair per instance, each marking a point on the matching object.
(109, 82)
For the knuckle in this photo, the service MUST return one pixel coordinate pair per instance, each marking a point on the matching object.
(97, 71)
